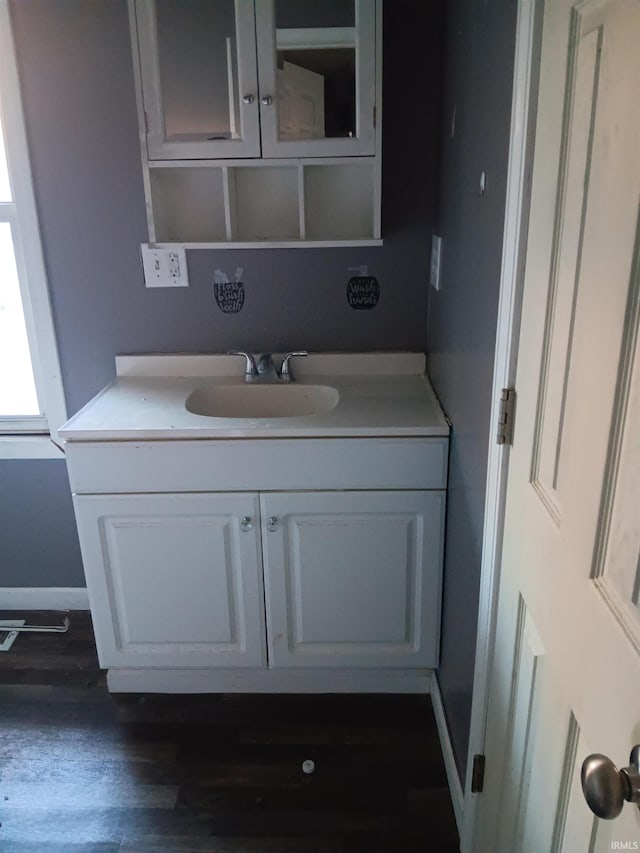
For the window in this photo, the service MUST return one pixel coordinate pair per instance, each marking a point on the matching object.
(32, 404)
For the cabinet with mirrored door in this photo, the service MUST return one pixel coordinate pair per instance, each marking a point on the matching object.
(260, 120)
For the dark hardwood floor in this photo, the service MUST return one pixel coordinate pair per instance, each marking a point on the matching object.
(82, 770)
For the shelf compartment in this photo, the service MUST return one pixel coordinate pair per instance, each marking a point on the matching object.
(264, 203)
(339, 201)
(187, 204)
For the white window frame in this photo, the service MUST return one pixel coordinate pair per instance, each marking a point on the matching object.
(16, 442)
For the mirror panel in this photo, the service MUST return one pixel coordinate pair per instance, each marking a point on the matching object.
(198, 68)
(316, 69)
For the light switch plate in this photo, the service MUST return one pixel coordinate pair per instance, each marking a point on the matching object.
(164, 267)
(436, 261)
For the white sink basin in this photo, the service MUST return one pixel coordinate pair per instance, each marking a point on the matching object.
(261, 401)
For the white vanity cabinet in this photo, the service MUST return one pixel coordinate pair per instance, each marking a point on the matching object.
(351, 579)
(189, 570)
(243, 100)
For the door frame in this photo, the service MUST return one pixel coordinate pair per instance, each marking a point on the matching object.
(520, 163)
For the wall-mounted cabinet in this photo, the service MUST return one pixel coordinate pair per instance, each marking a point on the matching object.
(260, 121)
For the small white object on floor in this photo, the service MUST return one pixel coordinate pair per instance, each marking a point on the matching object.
(308, 766)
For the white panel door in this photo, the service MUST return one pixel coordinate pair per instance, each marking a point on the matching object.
(566, 669)
(300, 103)
(353, 578)
(174, 580)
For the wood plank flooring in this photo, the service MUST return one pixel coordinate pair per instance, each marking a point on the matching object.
(82, 770)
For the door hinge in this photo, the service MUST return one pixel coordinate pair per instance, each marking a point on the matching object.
(374, 115)
(477, 774)
(505, 416)
(146, 123)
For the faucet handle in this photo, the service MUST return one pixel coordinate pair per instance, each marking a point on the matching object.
(285, 370)
(250, 370)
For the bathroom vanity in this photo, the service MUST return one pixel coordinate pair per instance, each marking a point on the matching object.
(279, 552)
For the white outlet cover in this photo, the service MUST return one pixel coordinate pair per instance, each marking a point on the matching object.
(164, 267)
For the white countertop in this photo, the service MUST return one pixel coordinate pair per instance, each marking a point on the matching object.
(381, 394)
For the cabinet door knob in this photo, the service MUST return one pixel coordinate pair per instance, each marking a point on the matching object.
(248, 99)
(267, 100)
(272, 524)
(246, 524)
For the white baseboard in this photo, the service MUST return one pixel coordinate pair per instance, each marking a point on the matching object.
(44, 598)
(455, 785)
(296, 680)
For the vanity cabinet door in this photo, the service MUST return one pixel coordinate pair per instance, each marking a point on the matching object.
(174, 580)
(353, 578)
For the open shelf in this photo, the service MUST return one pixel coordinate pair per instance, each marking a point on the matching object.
(338, 201)
(264, 203)
(188, 205)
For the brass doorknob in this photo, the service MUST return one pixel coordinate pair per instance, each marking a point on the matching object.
(606, 788)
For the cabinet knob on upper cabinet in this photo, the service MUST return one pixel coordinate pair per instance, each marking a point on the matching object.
(246, 524)
(248, 99)
(272, 524)
(267, 100)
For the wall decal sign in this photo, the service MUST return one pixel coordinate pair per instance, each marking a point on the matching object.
(229, 296)
(363, 291)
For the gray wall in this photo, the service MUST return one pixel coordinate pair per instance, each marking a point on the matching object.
(480, 39)
(37, 528)
(75, 67)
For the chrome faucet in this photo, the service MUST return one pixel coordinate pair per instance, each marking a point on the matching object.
(250, 370)
(286, 375)
(265, 370)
